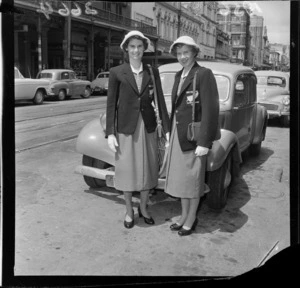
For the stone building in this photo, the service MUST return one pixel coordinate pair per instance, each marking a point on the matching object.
(84, 36)
(236, 23)
(256, 31)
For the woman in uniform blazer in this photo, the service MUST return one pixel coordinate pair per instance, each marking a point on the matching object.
(131, 125)
(186, 163)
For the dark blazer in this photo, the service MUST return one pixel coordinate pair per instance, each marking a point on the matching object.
(125, 102)
(206, 109)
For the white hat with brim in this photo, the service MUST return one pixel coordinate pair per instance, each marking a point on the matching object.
(186, 40)
(134, 33)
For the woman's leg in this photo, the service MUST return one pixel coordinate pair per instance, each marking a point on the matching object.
(129, 209)
(184, 211)
(192, 212)
(144, 197)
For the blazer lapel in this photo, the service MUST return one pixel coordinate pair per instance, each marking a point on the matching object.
(128, 75)
(175, 86)
(187, 80)
(146, 78)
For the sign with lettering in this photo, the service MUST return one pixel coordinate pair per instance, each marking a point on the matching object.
(65, 11)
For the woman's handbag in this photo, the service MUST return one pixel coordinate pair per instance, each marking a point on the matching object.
(162, 155)
(193, 131)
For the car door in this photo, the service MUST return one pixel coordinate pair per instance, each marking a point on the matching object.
(77, 85)
(65, 77)
(244, 108)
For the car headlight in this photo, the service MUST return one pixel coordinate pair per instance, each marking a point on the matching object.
(286, 100)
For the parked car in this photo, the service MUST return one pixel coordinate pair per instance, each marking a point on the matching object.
(34, 90)
(273, 92)
(242, 119)
(100, 83)
(63, 84)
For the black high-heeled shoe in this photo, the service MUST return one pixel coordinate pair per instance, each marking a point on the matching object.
(175, 227)
(186, 232)
(129, 224)
(148, 221)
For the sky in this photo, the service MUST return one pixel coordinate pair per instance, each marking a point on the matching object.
(276, 17)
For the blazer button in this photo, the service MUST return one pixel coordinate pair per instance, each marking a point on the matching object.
(176, 122)
(176, 111)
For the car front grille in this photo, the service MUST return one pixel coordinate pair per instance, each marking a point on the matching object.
(270, 106)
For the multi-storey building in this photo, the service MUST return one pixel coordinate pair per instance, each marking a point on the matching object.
(256, 31)
(222, 46)
(280, 56)
(236, 23)
(83, 36)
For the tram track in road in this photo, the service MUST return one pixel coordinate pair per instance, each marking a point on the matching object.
(38, 128)
(45, 144)
(61, 114)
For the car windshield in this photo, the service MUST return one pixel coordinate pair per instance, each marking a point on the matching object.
(45, 75)
(271, 81)
(167, 81)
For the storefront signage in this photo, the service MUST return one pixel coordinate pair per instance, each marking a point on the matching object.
(65, 11)
(76, 47)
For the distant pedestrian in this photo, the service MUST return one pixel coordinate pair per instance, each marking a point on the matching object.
(186, 163)
(131, 125)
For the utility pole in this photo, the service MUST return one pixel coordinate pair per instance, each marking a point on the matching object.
(179, 16)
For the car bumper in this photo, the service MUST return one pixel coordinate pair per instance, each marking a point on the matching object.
(275, 114)
(109, 176)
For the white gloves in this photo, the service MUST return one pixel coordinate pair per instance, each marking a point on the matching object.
(112, 142)
(168, 139)
(201, 151)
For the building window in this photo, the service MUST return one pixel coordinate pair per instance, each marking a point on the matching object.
(235, 40)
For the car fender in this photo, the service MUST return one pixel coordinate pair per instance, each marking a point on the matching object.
(60, 85)
(91, 141)
(220, 150)
(260, 124)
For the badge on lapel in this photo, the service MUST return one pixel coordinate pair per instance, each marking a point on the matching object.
(189, 97)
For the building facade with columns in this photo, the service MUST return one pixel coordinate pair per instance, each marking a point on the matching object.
(83, 36)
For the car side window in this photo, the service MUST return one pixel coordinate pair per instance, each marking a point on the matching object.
(240, 93)
(65, 75)
(72, 75)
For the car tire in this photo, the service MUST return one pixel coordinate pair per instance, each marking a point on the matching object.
(87, 92)
(61, 95)
(95, 163)
(39, 97)
(255, 149)
(285, 121)
(219, 182)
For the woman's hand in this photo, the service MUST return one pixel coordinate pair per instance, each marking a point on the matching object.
(112, 142)
(168, 139)
(201, 151)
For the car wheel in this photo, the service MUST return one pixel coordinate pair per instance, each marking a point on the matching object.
(285, 121)
(39, 97)
(219, 183)
(87, 92)
(61, 95)
(95, 163)
(255, 149)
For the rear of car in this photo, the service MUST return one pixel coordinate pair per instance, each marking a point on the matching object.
(100, 84)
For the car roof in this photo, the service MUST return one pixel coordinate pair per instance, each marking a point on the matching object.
(224, 68)
(271, 73)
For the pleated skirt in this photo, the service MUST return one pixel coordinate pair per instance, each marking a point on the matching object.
(136, 160)
(185, 172)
